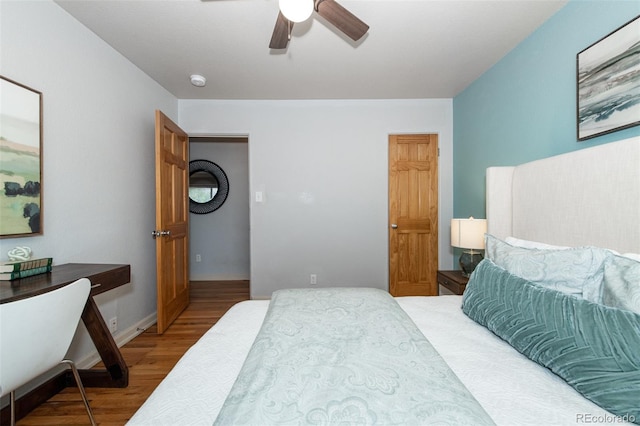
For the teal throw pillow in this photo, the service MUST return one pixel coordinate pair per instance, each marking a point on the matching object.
(594, 348)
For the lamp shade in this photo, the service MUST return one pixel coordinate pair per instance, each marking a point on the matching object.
(296, 10)
(468, 233)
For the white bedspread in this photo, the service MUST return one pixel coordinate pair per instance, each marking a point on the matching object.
(511, 388)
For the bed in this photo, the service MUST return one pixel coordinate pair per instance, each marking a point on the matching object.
(587, 198)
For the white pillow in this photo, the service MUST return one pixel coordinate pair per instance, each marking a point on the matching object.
(633, 256)
(517, 242)
(576, 271)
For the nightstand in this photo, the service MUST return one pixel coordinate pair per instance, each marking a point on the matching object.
(453, 281)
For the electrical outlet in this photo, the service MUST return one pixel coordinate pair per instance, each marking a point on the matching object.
(313, 279)
(113, 324)
(198, 258)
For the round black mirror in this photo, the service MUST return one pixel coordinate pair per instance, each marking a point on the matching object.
(208, 186)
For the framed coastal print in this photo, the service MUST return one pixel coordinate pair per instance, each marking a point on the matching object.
(608, 77)
(20, 160)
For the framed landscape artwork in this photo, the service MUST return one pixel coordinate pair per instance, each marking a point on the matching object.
(20, 160)
(608, 77)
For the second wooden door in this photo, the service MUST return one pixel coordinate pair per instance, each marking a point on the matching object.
(413, 215)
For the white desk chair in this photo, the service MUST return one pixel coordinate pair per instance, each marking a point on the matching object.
(35, 335)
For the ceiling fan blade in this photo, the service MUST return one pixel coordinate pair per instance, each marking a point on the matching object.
(342, 19)
(280, 36)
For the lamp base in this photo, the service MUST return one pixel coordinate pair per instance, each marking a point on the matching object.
(469, 259)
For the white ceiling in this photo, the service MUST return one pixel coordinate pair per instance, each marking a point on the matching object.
(414, 48)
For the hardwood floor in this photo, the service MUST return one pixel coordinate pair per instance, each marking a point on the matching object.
(149, 358)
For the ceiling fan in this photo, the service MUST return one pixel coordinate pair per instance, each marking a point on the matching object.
(335, 14)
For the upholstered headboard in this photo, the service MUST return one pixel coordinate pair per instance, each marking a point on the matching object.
(586, 197)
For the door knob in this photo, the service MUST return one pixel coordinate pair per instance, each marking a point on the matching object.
(156, 234)
(394, 226)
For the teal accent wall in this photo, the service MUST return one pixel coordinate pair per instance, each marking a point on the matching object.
(524, 107)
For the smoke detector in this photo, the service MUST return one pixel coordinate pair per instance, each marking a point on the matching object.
(198, 80)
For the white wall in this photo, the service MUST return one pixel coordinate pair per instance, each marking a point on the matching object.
(98, 156)
(323, 169)
(221, 238)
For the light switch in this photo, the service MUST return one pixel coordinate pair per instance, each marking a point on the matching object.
(258, 196)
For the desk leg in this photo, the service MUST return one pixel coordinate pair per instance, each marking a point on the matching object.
(116, 374)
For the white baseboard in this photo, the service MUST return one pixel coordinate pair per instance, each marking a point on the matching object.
(121, 339)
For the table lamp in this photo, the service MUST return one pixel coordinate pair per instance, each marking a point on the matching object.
(468, 234)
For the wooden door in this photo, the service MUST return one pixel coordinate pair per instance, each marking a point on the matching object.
(172, 220)
(413, 215)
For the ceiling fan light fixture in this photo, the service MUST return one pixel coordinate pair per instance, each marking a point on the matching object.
(296, 10)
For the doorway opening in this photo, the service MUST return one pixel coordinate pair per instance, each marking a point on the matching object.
(219, 240)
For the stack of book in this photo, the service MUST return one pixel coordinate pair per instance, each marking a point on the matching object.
(10, 271)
